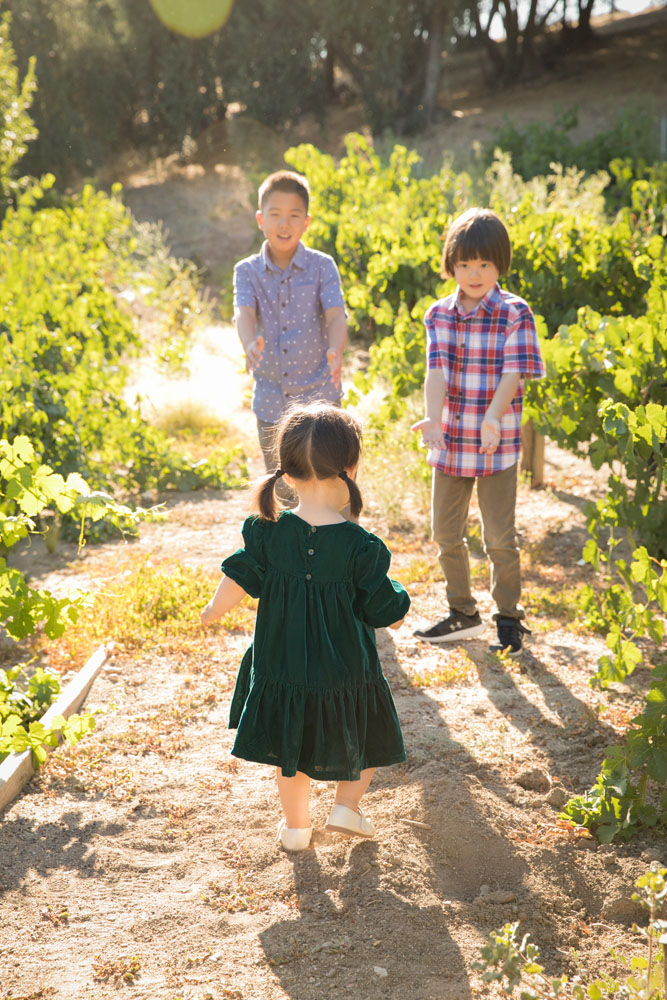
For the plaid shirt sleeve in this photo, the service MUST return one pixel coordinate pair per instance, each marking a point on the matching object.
(522, 345)
(436, 353)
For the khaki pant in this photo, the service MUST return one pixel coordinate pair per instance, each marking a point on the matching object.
(497, 500)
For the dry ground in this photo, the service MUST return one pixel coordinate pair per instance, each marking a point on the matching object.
(145, 863)
(160, 848)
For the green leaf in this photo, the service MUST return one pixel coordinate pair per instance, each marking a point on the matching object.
(606, 832)
(657, 764)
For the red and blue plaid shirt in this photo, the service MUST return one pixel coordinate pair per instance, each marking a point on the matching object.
(474, 350)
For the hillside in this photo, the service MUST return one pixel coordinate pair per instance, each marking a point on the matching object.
(206, 200)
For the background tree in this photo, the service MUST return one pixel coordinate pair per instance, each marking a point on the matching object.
(111, 75)
(18, 128)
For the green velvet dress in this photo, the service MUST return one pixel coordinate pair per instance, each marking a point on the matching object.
(310, 694)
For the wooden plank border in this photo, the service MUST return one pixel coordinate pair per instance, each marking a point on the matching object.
(17, 769)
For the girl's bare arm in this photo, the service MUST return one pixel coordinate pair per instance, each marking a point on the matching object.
(226, 597)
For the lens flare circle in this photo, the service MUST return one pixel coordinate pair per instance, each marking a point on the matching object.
(193, 18)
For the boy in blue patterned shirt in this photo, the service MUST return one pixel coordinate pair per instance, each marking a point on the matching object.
(289, 311)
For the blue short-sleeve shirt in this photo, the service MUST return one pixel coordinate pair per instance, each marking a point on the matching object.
(290, 306)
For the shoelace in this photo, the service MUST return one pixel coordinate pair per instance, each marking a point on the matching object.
(510, 634)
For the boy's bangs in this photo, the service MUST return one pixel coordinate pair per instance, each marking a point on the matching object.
(472, 244)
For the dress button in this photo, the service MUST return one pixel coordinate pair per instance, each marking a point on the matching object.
(308, 576)
(311, 552)
(313, 530)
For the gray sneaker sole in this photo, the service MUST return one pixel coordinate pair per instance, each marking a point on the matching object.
(465, 633)
(513, 653)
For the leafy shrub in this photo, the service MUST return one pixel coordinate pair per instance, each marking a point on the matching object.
(15, 101)
(65, 342)
(21, 708)
(536, 146)
(514, 964)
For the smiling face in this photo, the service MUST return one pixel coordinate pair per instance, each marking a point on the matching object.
(475, 278)
(283, 219)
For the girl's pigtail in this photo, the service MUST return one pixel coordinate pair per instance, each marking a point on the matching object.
(356, 503)
(265, 497)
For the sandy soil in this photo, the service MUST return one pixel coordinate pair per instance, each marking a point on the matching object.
(145, 863)
(160, 848)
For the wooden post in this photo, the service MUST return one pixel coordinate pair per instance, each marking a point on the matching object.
(18, 768)
(532, 454)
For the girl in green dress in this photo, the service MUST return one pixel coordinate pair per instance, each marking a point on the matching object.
(311, 697)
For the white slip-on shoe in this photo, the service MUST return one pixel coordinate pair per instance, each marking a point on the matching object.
(294, 839)
(342, 819)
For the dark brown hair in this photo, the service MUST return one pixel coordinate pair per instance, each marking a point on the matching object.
(317, 441)
(479, 232)
(284, 180)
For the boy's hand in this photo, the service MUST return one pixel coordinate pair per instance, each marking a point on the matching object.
(335, 362)
(431, 431)
(490, 435)
(253, 353)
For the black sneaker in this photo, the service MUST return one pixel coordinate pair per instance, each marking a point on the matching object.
(452, 628)
(510, 631)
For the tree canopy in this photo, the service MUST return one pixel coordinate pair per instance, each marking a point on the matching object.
(112, 74)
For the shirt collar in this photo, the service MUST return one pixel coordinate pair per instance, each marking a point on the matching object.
(488, 303)
(298, 260)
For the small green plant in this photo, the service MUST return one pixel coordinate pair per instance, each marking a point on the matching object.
(514, 964)
(118, 969)
(56, 917)
(21, 708)
(246, 897)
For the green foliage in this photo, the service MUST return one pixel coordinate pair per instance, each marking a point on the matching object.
(382, 222)
(275, 80)
(514, 964)
(110, 74)
(536, 146)
(66, 339)
(16, 98)
(27, 489)
(383, 49)
(605, 394)
(22, 706)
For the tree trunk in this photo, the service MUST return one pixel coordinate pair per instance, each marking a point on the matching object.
(329, 63)
(436, 30)
(584, 31)
(492, 49)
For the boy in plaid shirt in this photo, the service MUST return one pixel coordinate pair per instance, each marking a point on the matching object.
(481, 344)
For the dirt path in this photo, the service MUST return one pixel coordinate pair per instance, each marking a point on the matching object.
(161, 848)
(148, 852)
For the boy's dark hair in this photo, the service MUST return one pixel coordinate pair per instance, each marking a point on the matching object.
(315, 441)
(284, 180)
(479, 232)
